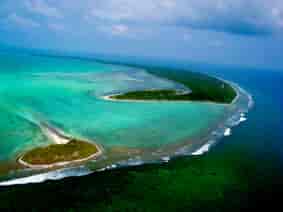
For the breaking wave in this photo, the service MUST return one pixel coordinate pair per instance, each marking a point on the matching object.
(243, 103)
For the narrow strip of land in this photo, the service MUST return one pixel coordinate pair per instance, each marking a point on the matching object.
(198, 87)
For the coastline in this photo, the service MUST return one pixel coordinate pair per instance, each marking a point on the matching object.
(59, 138)
(228, 123)
(110, 98)
(201, 148)
(63, 163)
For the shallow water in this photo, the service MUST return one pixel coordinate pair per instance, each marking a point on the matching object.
(67, 93)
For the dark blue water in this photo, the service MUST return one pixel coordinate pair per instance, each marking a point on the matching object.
(263, 132)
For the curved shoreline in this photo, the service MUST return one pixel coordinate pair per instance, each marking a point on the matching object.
(219, 91)
(110, 98)
(59, 138)
(199, 151)
(227, 125)
(63, 163)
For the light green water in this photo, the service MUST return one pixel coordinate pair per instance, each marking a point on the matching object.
(67, 94)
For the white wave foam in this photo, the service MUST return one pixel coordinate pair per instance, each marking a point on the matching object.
(53, 175)
(227, 132)
(205, 148)
(60, 174)
(131, 162)
(112, 166)
(242, 119)
(165, 159)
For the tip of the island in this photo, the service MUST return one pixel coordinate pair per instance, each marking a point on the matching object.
(65, 150)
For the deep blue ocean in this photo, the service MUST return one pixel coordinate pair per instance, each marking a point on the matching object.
(263, 132)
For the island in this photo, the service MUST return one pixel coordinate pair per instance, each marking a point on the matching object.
(65, 150)
(70, 149)
(200, 87)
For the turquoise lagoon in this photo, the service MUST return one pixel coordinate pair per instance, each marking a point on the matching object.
(67, 93)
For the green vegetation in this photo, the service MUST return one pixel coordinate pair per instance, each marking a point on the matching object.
(74, 150)
(153, 95)
(203, 87)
